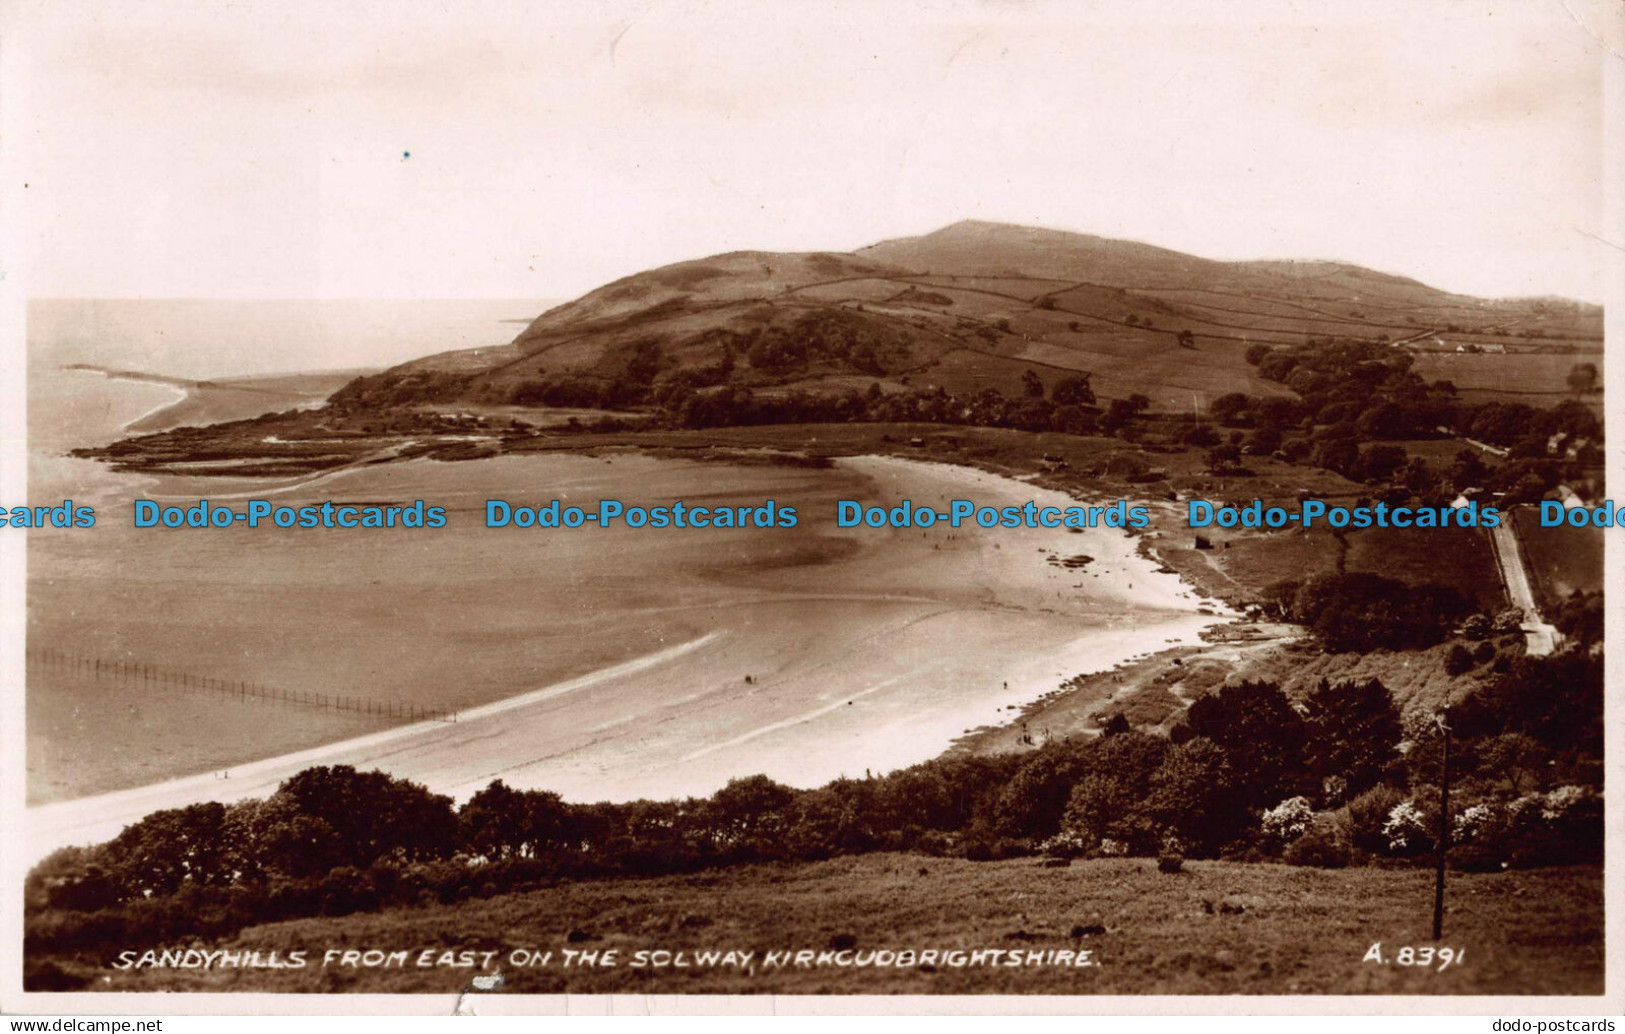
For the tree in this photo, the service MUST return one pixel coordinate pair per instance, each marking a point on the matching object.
(1277, 413)
(1072, 420)
(1187, 339)
(1118, 415)
(1459, 661)
(71, 878)
(1032, 802)
(500, 822)
(1383, 420)
(1340, 455)
(1360, 612)
(1231, 409)
(1032, 414)
(1276, 366)
(1583, 378)
(749, 812)
(166, 850)
(1073, 390)
(492, 823)
(1201, 436)
(1468, 471)
(1223, 458)
(1379, 463)
(989, 408)
(1261, 733)
(645, 361)
(1557, 700)
(1109, 799)
(1032, 385)
(1264, 441)
(1306, 382)
(1193, 793)
(368, 815)
(833, 819)
(1355, 732)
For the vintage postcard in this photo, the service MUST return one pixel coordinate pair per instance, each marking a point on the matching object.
(870, 506)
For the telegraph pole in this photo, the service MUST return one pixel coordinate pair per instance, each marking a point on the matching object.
(1444, 830)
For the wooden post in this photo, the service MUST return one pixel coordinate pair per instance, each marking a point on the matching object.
(1444, 832)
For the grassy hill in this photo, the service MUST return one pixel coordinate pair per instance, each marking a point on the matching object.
(978, 305)
(1216, 928)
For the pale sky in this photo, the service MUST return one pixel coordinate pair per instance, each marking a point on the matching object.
(260, 149)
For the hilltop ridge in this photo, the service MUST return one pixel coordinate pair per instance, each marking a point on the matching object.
(972, 306)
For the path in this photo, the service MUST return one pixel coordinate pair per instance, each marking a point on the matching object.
(1542, 638)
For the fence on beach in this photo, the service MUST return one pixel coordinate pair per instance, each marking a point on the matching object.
(134, 675)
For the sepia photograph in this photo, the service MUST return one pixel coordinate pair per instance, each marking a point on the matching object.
(975, 500)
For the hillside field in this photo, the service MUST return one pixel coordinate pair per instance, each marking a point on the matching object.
(1561, 560)
(1216, 928)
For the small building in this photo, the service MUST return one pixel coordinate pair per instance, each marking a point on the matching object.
(1570, 498)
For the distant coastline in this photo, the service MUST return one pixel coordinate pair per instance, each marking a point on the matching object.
(217, 401)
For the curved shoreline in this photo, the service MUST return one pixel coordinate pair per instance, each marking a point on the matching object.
(803, 731)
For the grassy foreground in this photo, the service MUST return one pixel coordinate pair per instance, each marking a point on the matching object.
(1216, 928)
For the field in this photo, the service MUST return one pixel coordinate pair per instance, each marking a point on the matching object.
(1535, 379)
(1216, 928)
(1242, 562)
(1457, 557)
(1560, 560)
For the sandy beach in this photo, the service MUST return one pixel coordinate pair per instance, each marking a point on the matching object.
(604, 664)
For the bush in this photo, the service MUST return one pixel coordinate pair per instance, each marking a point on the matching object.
(1563, 827)
(1458, 661)
(1288, 820)
(1170, 862)
(1368, 813)
(1409, 829)
(1326, 845)
(1201, 436)
(1360, 612)
(1065, 844)
(49, 977)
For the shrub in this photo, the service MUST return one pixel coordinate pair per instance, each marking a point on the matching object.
(1408, 829)
(50, 977)
(1326, 845)
(1562, 827)
(1368, 814)
(1065, 844)
(933, 842)
(1458, 661)
(1170, 862)
(1288, 820)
